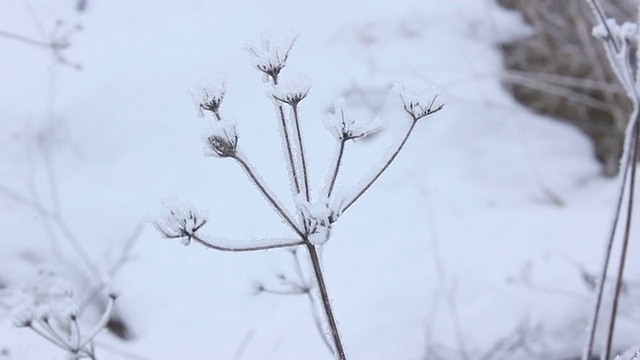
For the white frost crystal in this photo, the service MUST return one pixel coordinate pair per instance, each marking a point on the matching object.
(271, 57)
(345, 127)
(180, 220)
(207, 95)
(419, 105)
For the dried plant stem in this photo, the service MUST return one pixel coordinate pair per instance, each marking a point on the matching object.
(336, 167)
(284, 244)
(586, 355)
(305, 173)
(287, 140)
(625, 243)
(326, 302)
(382, 169)
(267, 194)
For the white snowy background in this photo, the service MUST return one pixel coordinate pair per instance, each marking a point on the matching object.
(457, 247)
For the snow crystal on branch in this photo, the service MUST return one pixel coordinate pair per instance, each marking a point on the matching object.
(208, 96)
(344, 127)
(271, 57)
(180, 220)
(420, 105)
(293, 91)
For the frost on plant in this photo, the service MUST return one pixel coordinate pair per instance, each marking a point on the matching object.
(345, 127)
(47, 306)
(271, 57)
(419, 105)
(632, 354)
(180, 220)
(292, 92)
(208, 96)
(221, 140)
(312, 221)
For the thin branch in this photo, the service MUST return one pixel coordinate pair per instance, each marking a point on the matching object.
(271, 198)
(326, 302)
(287, 140)
(336, 167)
(280, 243)
(103, 321)
(625, 243)
(382, 169)
(25, 40)
(305, 173)
(588, 349)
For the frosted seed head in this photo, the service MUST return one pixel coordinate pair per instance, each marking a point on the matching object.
(180, 220)
(345, 127)
(271, 57)
(292, 92)
(319, 218)
(221, 140)
(22, 315)
(419, 105)
(208, 96)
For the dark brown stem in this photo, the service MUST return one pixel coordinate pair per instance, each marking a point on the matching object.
(326, 302)
(625, 243)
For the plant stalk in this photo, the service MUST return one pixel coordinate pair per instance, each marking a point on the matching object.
(326, 302)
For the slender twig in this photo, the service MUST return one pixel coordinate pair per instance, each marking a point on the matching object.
(49, 338)
(305, 173)
(25, 40)
(336, 166)
(287, 140)
(586, 355)
(246, 248)
(326, 302)
(382, 169)
(103, 321)
(625, 243)
(267, 194)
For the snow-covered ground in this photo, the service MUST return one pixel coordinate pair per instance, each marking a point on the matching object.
(480, 232)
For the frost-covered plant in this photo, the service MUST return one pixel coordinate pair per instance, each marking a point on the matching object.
(314, 217)
(618, 40)
(47, 306)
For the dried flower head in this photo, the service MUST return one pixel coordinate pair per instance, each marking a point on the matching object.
(292, 92)
(271, 57)
(180, 220)
(345, 127)
(208, 96)
(319, 218)
(221, 140)
(420, 105)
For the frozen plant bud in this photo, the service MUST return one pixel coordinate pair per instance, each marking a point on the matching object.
(270, 57)
(22, 315)
(344, 127)
(180, 220)
(419, 105)
(319, 218)
(222, 140)
(292, 92)
(208, 95)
